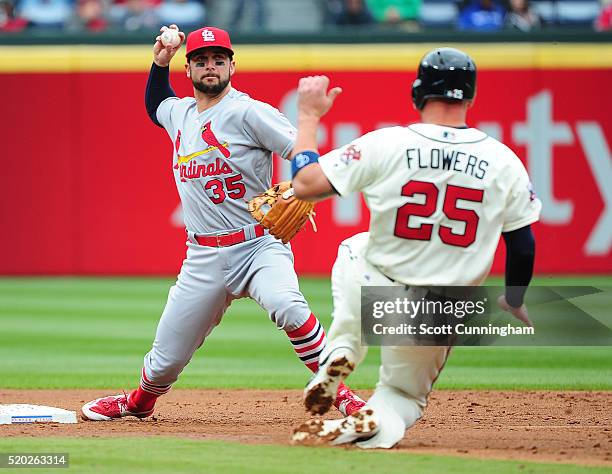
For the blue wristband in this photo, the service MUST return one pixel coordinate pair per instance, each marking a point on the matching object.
(302, 160)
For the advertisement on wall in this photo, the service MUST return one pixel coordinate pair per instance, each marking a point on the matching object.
(88, 185)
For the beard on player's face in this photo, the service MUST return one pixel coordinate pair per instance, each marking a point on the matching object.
(210, 88)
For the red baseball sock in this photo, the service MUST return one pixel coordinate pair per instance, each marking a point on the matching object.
(145, 396)
(308, 341)
(141, 400)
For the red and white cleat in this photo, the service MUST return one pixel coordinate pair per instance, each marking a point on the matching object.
(109, 408)
(348, 402)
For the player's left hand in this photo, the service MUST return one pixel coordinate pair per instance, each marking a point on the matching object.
(313, 97)
(279, 211)
(519, 313)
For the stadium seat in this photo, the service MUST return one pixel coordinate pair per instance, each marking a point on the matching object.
(438, 13)
(282, 16)
(546, 10)
(577, 12)
(568, 12)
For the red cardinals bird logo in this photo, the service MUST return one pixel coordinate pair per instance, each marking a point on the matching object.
(209, 137)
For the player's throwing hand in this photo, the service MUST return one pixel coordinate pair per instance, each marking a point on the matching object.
(162, 55)
(313, 97)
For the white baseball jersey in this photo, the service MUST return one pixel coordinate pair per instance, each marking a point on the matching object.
(223, 156)
(439, 199)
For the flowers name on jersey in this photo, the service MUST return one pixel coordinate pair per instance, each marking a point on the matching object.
(191, 167)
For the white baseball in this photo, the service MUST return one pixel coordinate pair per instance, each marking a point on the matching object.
(170, 37)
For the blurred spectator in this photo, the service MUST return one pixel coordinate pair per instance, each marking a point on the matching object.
(188, 14)
(481, 15)
(89, 15)
(330, 9)
(8, 21)
(521, 16)
(133, 15)
(393, 12)
(45, 13)
(604, 20)
(354, 12)
(259, 13)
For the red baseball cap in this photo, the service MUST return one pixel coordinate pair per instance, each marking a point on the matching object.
(207, 37)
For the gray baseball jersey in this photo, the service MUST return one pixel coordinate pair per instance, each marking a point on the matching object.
(223, 156)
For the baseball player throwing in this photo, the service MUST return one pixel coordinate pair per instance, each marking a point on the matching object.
(440, 194)
(223, 145)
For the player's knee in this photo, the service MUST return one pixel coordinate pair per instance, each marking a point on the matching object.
(287, 310)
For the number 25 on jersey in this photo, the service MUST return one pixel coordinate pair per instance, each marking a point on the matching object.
(431, 192)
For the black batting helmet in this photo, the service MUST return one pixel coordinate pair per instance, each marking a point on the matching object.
(446, 73)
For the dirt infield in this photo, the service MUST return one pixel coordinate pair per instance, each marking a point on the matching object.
(573, 427)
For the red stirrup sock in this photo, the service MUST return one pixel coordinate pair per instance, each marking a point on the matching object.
(145, 396)
(308, 341)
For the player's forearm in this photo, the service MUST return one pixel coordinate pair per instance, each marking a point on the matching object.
(311, 184)
(520, 258)
(158, 89)
(306, 134)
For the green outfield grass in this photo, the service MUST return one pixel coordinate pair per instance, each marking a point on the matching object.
(94, 332)
(151, 455)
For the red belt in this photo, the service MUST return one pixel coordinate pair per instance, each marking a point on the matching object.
(226, 240)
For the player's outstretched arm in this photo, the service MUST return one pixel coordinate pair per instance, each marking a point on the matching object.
(520, 258)
(311, 184)
(158, 84)
(314, 101)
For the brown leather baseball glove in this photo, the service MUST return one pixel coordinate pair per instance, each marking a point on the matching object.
(279, 211)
